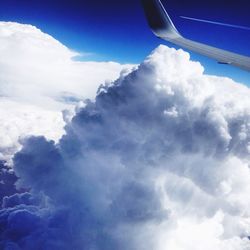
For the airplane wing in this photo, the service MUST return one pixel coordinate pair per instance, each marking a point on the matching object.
(163, 27)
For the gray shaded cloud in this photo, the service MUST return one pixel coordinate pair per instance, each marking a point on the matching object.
(160, 160)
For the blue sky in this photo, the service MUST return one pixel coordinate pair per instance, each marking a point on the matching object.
(117, 30)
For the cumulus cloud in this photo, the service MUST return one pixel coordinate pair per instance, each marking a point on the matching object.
(38, 79)
(18, 120)
(34, 64)
(159, 160)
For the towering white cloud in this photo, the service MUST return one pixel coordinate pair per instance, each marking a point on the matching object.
(34, 64)
(38, 79)
(159, 160)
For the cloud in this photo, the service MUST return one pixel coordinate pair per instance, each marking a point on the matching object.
(18, 120)
(159, 160)
(34, 64)
(38, 79)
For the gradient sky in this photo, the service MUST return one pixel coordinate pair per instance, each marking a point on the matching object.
(117, 30)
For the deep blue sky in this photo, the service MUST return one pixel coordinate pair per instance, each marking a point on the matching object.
(117, 30)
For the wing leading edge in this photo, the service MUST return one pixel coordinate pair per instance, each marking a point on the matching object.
(162, 26)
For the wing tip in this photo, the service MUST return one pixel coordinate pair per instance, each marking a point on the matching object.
(159, 20)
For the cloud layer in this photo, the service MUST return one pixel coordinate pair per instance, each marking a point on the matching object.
(159, 160)
(38, 79)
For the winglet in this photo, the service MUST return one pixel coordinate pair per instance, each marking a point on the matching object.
(159, 20)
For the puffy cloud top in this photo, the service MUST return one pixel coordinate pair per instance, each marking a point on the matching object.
(159, 160)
